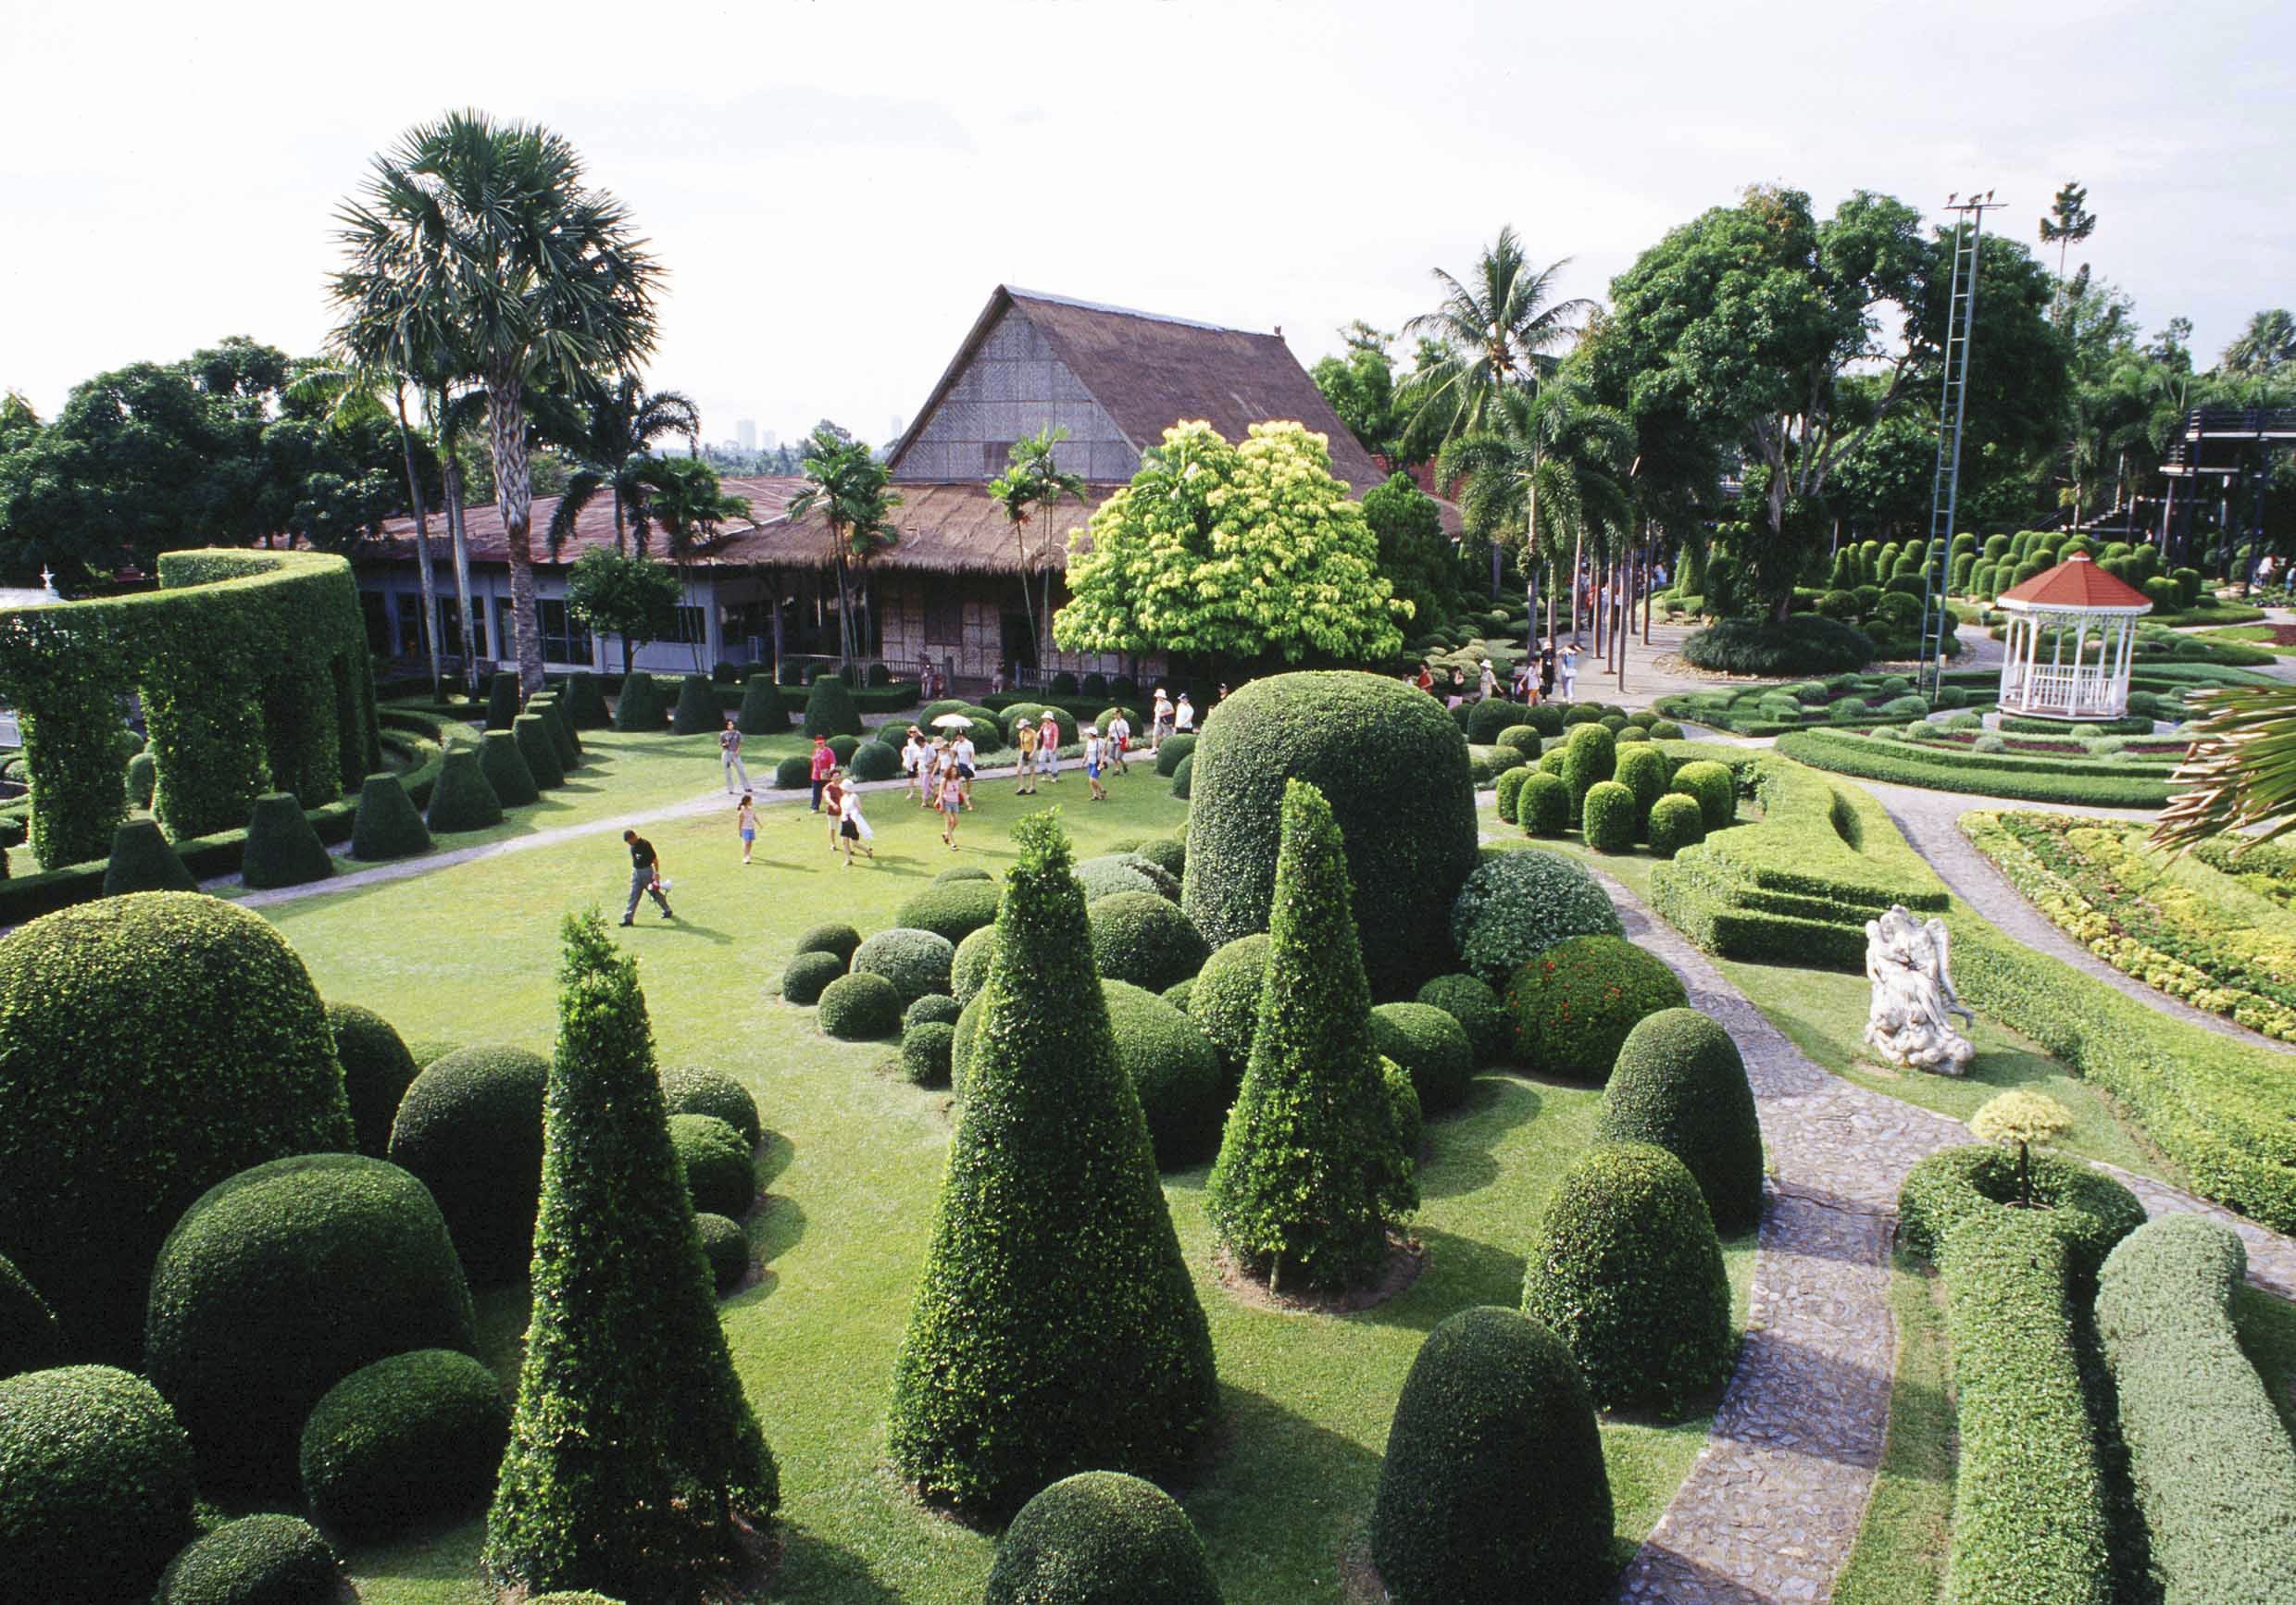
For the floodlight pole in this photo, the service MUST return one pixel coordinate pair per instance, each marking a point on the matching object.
(1961, 309)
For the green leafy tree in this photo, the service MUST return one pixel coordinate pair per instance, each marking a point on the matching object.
(628, 595)
(632, 1449)
(2024, 1121)
(483, 239)
(1055, 1329)
(1361, 388)
(1032, 485)
(1309, 1171)
(1499, 328)
(849, 486)
(1415, 553)
(2069, 223)
(1236, 551)
(2265, 346)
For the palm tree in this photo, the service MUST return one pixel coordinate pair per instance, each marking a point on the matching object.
(2267, 343)
(452, 414)
(2241, 772)
(1031, 484)
(610, 431)
(848, 484)
(1497, 329)
(481, 237)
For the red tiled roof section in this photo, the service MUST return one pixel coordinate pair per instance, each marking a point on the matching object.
(2076, 583)
(739, 542)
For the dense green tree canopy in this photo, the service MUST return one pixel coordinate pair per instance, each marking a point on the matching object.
(1361, 388)
(631, 596)
(1415, 553)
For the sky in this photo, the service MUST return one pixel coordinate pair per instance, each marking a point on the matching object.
(836, 187)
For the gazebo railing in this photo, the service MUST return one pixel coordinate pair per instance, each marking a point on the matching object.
(2066, 691)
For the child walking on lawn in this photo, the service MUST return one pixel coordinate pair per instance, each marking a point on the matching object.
(951, 798)
(745, 821)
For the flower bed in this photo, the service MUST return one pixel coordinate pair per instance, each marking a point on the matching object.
(1851, 700)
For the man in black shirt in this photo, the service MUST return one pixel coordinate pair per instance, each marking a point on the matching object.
(645, 876)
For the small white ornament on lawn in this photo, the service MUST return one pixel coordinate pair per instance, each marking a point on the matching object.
(1908, 1023)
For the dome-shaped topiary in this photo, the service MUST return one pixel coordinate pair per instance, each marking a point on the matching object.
(1394, 767)
(1715, 787)
(726, 1246)
(1168, 854)
(1493, 1486)
(808, 975)
(1542, 806)
(1520, 902)
(470, 1128)
(792, 773)
(1184, 778)
(1102, 1538)
(1174, 751)
(260, 1559)
(1508, 788)
(1430, 1047)
(1119, 871)
(1626, 1268)
(963, 872)
(640, 705)
(916, 962)
(1174, 1068)
(875, 761)
(1225, 998)
(387, 825)
(96, 1486)
(150, 1046)
(859, 1008)
(505, 767)
(29, 1337)
(411, 1439)
(693, 1089)
(954, 911)
(1675, 821)
(462, 798)
(933, 1008)
(969, 972)
(280, 1282)
(926, 1051)
(722, 1170)
(1478, 1011)
(282, 848)
(1609, 809)
(376, 1071)
(1144, 938)
(1679, 1085)
(829, 709)
(1574, 1003)
(1589, 758)
(143, 860)
(1642, 770)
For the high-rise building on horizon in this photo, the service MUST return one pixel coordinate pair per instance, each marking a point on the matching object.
(773, 440)
(746, 432)
(898, 422)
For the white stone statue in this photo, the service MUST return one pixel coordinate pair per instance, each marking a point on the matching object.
(1908, 962)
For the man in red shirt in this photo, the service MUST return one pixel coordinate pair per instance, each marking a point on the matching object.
(823, 762)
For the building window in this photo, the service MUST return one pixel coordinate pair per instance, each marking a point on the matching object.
(689, 630)
(563, 640)
(944, 617)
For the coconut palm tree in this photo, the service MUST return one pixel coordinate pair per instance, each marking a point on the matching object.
(2267, 344)
(848, 484)
(482, 238)
(1550, 462)
(609, 431)
(1033, 485)
(1497, 329)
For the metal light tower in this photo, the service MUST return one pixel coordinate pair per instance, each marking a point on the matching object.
(1961, 309)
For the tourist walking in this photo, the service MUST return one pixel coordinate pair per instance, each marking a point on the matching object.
(645, 878)
(963, 752)
(1048, 748)
(1093, 749)
(912, 755)
(1570, 672)
(1159, 719)
(745, 821)
(1024, 736)
(1183, 716)
(729, 755)
(1490, 681)
(1120, 741)
(823, 762)
(952, 802)
(833, 803)
(851, 830)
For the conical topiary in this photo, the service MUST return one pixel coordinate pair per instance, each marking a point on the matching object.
(1308, 1169)
(640, 705)
(830, 710)
(561, 732)
(387, 825)
(1493, 1486)
(697, 709)
(1055, 1329)
(1102, 1538)
(632, 1449)
(585, 703)
(762, 711)
(281, 848)
(1680, 1085)
(502, 700)
(462, 798)
(540, 750)
(142, 860)
(505, 767)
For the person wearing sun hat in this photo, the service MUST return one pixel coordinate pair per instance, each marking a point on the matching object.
(1024, 737)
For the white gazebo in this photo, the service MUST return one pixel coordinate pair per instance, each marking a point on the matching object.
(2089, 619)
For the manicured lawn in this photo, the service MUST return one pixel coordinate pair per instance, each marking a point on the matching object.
(468, 953)
(1900, 1557)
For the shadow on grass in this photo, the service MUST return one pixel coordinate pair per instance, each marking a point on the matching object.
(1460, 1140)
(813, 1567)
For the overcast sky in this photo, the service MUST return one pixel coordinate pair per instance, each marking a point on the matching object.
(836, 187)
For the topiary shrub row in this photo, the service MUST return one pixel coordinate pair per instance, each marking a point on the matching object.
(1802, 643)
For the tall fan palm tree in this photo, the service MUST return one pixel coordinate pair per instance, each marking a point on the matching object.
(848, 484)
(609, 429)
(1497, 329)
(1549, 462)
(482, 238)
(454, 415)
(1032, 485)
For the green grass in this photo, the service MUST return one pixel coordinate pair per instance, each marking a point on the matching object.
(1900, 1557)
(467, 955)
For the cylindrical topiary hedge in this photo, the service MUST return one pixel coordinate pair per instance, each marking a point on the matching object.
(150, 1046)
(143, 860)
(462, 798)
(1589, 757)
(282, 848)
(696, 714)
(259, 1560)
(1626, 1269)
(376, 1071)
(696, 1091)
(640, 705)
(1574, 1003)
(1542, 805)
(280, 1282)
(808, 975)
(1509, 788)
(387, 825)
(721, 1169)
(96, 1486)
(954, 910)
(1643, 769)
(1174, 1069)
(1142, 937)
(471, 1127)
(1680, 1084)
(1430, 1047)
(1715, 787)
(1477, 1009)
(503, 698)
(1102, 1538)
(916, 962)
(1493, 1486)
(1609, 812)
(504, 767)
(411, 1439)
(1676, 822)
(859, 1008)
(539, 749)
(1394, 767)
(1519, 903)
(585, 701)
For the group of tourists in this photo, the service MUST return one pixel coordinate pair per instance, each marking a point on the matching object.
(1529, 683)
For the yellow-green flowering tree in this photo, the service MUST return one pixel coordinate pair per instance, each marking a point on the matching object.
(1245, 550)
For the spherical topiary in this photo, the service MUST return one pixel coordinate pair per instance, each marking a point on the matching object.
(1609, 817)
(1102, 1538)
(969, 972)
(694, 1090)
(260, 1559)
(1225, 998)
(470, 1128)
(1591, 757)
(413, 1438)
(874, 761)
(143, 860)
(1168, 854)
(1173, 751)
(1542, 805)
(933, 1008)
(1626, 1269)
(1573, 1004)
(388, 825)
(150, 1046)
(462, 798)
(860, 1008)
(1678, 1084)
(722, 1170)
(1144, 938)
(1394, 768)
(29, 1337)
(376, 1071)
(280, 1282)
(281, 848)
(96, 1486)
(1175, 1070)
(1675, 821)
(925, 1048)
(1477, 1009)
(1493, 1486)
(1121, 872)
(807, 975)
(726, 1246)
(1430, 1046)
(954, 911)
(916, 962)
(1519, 903)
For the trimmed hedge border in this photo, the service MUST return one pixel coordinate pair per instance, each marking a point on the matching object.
(2026, 778)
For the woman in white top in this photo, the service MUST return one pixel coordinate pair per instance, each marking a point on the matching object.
(913, 755)
(851, 830)
(1183, 715)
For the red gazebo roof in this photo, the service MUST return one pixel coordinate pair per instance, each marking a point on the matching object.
(2075, 585)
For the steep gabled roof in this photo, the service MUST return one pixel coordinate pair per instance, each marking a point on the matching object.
(2076, 583)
